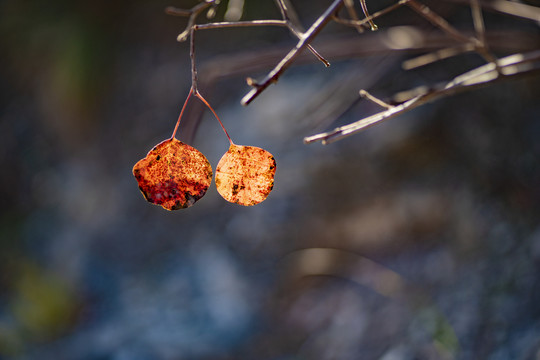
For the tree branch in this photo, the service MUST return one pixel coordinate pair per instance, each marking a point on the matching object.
(509, 67)
(291, 56)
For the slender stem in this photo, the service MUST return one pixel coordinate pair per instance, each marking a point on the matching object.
(479, 27)
(437, 20)
(438, 55)
(375, 100)
(198, 94)
(478, 21)
(510, 66)
(227, 24)
(291, 56)
(283, 23)
(194, 89)
(181, 113)
(171, 10)
(366, 13)
(194, 12)
(511, 8)
(349, 4)
(192, 57)
(370, 18)
(295, 27)
(283, 10)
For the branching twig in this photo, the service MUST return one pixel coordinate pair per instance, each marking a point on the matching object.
(366, 21)
(366, 13)
(438, 21)
(365, 94)
(511, 8)
(289, 58)
(438, 55)
(194, 89)
(494, 70)
(479, 27)
(510, 66)
(478, 21)
(192, 13)
(349, 4)
(478, 42)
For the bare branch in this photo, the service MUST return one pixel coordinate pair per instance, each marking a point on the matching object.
(193, 13)
(510, 66)
(479, 43)
(517, 9)
(478, 21)
(365, 94)
(366, 13)
(171, 10)
(193, 64)
(227, 24)
(437, 20)
(349, 4)
(365, 22)
(445, 47)
(288, 14)
(511, 8)
(289, 58)
(438, 55)
(296, 28)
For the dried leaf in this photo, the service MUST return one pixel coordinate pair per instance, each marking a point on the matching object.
(245, 174)
(173, 175)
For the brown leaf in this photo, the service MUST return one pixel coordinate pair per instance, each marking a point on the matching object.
(245, 174)
(173, 175)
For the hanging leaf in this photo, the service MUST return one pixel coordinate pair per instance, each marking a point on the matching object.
(173, 175)
(245, 174)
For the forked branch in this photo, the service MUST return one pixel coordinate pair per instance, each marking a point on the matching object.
(507, 67)
(459, 42)
(304, 41)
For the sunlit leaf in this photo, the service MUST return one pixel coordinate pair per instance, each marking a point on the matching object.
(245, 174)
(173, 175)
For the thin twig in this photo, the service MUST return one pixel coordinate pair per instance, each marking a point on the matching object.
(365, 94)
(171, 10)
(193, 14)
(192, 57)
(440, 22)
(365, 22)
(230, 24)
(478, 21)
(438, 55)
(510, 66)
(289, 58)
(284, 10)
(366, 13)
(437, 20)
(296, 28)
(349, 4)
(235, 24)
(511, 8)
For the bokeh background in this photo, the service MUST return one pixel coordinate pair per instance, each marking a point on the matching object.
(417, 239)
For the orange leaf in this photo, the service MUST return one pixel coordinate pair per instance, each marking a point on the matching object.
(245, 174)
(173, 175)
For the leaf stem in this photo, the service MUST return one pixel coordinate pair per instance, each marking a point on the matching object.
(198, 94)
(182, 113)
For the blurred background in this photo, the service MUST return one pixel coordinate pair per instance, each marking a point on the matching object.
(416, 239)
